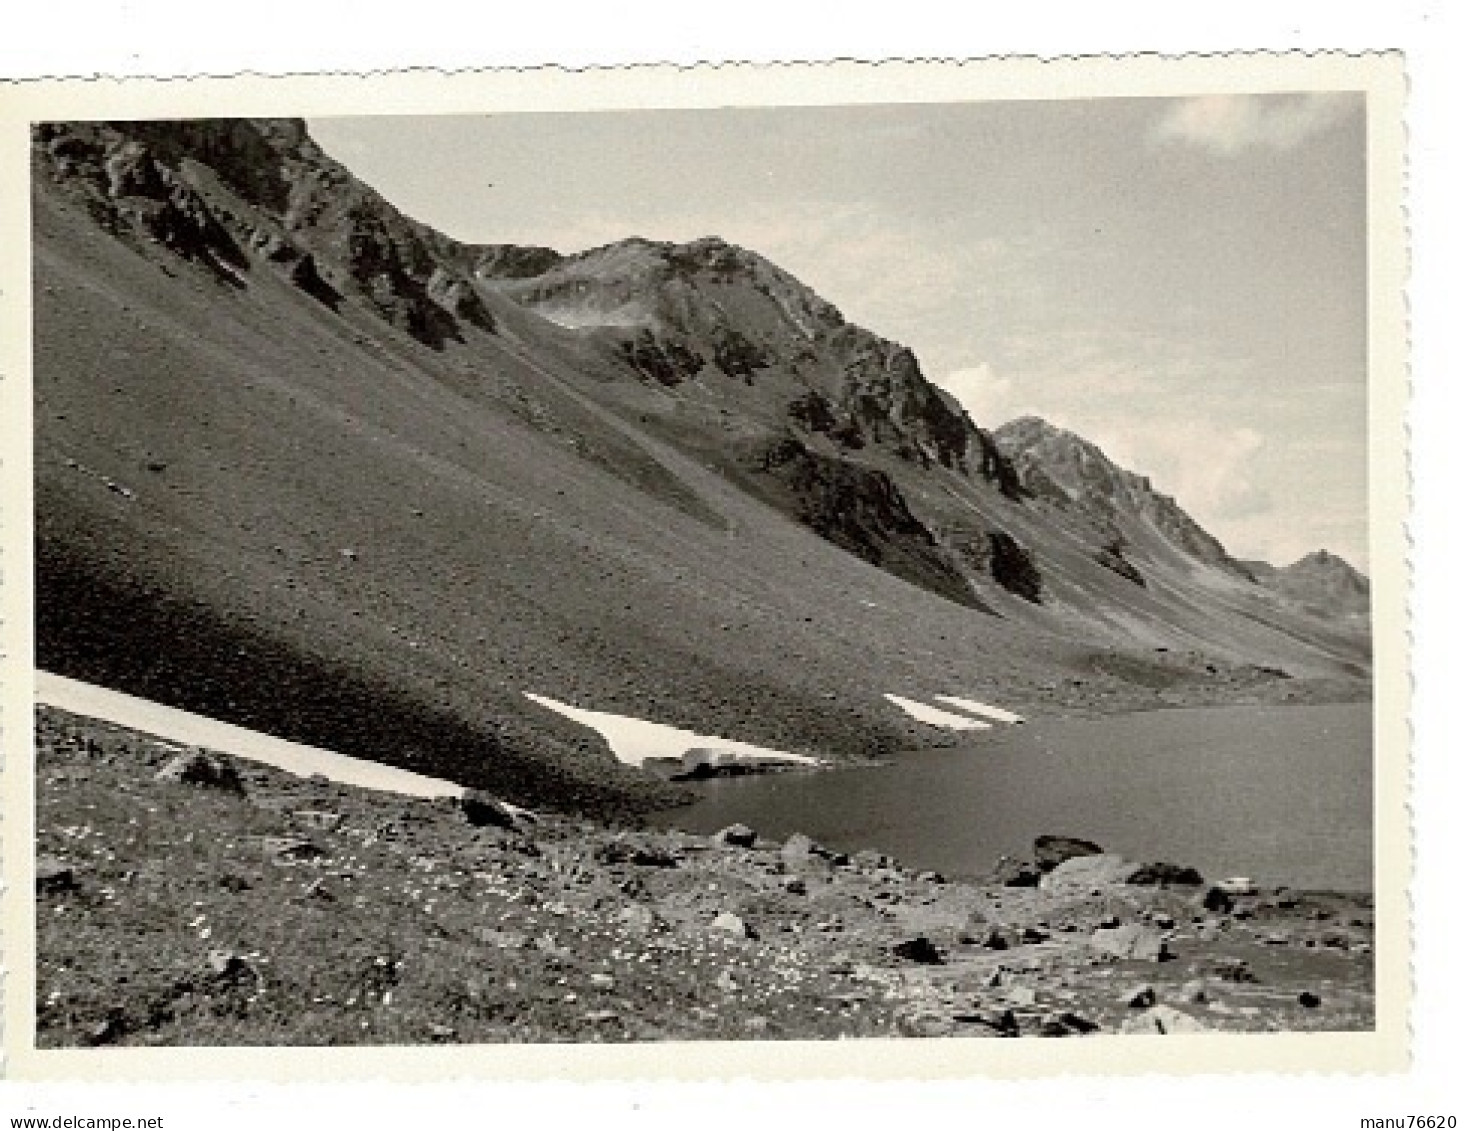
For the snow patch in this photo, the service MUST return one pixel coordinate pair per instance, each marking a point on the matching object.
(635, 740)
(189, 729)
(935, 717)
(579, 318)
(971, 706)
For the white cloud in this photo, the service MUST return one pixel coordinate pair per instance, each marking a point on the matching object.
(987, 396)
(1212, 470)
(1231, 123)
(1209, 468)
(883, 271)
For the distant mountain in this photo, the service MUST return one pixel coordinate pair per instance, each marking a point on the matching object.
(306, 464)
(1059, 466)
(1322, 582)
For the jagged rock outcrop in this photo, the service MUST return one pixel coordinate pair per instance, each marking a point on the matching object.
(862, 510)
(1112, 556)
(713, 310)
(230, 193)
(511, 261)
(1074, 474)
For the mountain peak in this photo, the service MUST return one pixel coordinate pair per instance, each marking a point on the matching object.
(755, 340)
(1323, 564)
(1070, 471)
(1323, 559)
(1322, 582)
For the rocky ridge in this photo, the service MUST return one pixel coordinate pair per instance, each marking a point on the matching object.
(235, 194)
(711, 307)
(1059, 467)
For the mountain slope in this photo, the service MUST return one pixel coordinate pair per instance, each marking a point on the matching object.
(1144, 539)
(309, 466)
(749, 365)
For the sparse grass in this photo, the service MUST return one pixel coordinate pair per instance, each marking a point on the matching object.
(409, 927)
(300, 913)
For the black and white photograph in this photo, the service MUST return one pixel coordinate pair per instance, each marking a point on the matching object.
(896, 569)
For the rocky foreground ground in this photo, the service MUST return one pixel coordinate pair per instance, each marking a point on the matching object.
(185, 900)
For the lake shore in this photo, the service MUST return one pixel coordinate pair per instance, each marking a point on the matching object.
(1283, 793)
(230, 903)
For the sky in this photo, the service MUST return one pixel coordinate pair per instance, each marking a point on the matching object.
(1180, 280)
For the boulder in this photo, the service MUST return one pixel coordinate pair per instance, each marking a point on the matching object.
(1051, 851)
(109, 1029)
(732, 924)
(1165, 875)
(288, 849)
(54, 876)
(484, 810)
(621, 851)
(924, 1024)
(1232, 970)
(1099, 870)
(1217, 899)
(799, 850)
(1132, 942)
(547, 943)
(640, 918)
(1001, 1021)
(202, 768)
(736, 836)
(1021, 997)
(1013, 873)
(979, 930)
(1163, 1020)
(228, 966)
(323, 819)
(869, 858)
(1066, 1024)
(918, 949)
(1139, 997)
